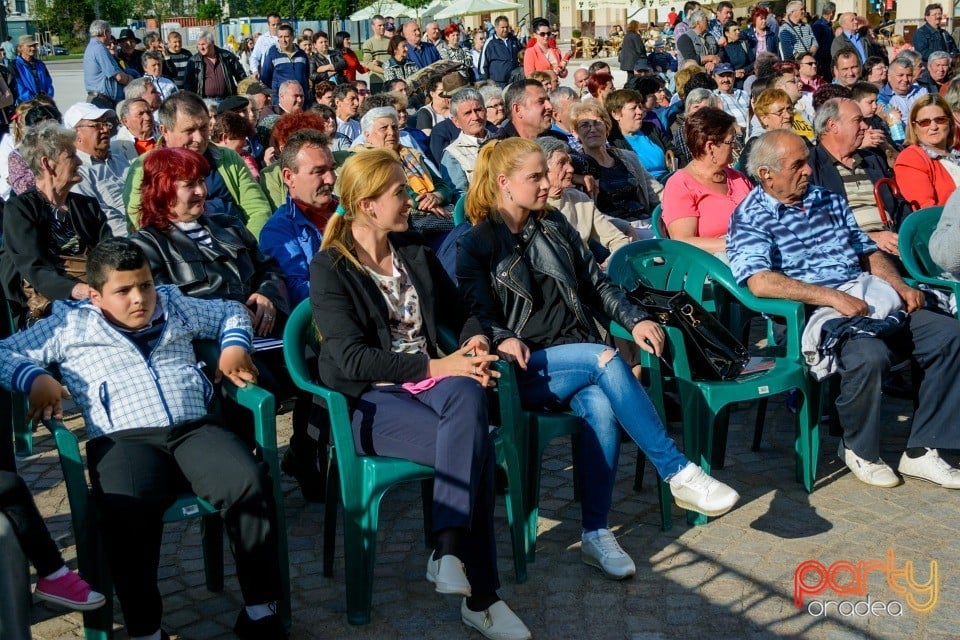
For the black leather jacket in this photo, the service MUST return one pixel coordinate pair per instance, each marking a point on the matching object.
(232, 268)
(496, 281)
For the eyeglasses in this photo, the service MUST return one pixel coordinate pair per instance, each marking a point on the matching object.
(734, 143)
(590, 124)
(496, 106)
(543, 33)
(103, 126)
(363, 92)
(940, 120)
(781, 112)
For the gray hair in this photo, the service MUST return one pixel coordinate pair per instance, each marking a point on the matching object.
(937, 55)
(902, 61)
(696, 16)
(793, 6)
(767, 152)
(490, 92)
(370, 117)
(182, 102)
(46, 140)
(287, 83)
(698, 95)
(136, 88)
(551, 146)
(156, 56)
(467, 94)
(829, 8)
(562, 93)
(98, 28)
(123, 109)
(829, 110)
(206, 35)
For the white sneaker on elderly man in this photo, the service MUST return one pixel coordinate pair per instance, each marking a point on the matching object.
(600, 549)
(930, 467)
(877, 474)
(694, 490)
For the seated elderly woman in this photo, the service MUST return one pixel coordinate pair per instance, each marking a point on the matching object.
(48, 230)
(928, 168)
(626, 190)
(433, 198)
(601, 233)
(695, 100)
(700, 198)
(626, 107)
(773, 108)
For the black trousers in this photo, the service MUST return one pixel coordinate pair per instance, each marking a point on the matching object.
(17, 504)
(137, 474)
(446, 428)
(933, 341)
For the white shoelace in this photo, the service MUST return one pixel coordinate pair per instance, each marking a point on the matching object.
(607, 543)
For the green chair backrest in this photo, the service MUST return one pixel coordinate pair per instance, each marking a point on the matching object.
(914, 242)
(656, 222)
(460, 211)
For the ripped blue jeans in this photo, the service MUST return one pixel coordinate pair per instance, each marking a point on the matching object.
(606, 396)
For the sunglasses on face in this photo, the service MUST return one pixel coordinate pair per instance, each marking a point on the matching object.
(940, 120)
(543, 33)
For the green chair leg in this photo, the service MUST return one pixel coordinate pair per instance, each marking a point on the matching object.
(22, 429)
(510, 463)
(211, 532)
(360, 551)
(666, 504)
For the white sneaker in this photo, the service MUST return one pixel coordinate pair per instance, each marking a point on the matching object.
(497, 623)
(448, 575)
(694, 490)
(877, 474)
(600, 549)
(932, 468)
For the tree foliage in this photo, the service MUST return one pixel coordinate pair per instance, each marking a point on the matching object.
(210, 10)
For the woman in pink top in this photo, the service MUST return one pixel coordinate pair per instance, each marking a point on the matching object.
(540, 56)
(699, 199)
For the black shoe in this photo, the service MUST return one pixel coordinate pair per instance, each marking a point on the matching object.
(269, 628)
(313, 483)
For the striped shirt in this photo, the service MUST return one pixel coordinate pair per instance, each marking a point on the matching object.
(817, 242)
(737, 104)
(196, 232)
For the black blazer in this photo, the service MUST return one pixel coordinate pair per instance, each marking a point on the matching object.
(26, 236)
(354, 323)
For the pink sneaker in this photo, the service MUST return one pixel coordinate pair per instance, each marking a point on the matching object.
(71, 591)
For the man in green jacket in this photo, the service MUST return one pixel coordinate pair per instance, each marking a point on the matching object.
(184, 122)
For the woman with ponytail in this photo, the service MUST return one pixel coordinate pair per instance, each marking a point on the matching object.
(538, 292)
(378, 296)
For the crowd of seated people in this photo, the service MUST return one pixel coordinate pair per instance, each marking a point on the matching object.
(163, 218)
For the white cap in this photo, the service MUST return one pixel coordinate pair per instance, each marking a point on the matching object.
(83, 111)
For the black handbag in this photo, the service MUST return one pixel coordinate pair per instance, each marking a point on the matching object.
(713, 352)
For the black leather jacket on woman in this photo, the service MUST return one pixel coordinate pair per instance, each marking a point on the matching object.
(497, 282)
(232, 268)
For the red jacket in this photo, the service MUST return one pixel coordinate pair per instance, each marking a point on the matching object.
(534, 59)
(922, 180)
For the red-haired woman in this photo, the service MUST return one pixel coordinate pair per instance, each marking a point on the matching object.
(451, 50)
(206, 255)
(600, 85)
(760, 37)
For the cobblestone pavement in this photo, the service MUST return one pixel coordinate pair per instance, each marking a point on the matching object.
(732, 578)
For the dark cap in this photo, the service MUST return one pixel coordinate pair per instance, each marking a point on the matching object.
(233, 103)
(642, 65)
(258, 87)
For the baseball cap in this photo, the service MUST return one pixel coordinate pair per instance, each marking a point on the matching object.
(723, 67)
(83, 111)
(258, 87)
(642, 65)
(22, 40)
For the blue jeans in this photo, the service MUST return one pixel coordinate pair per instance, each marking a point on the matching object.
(606, 397)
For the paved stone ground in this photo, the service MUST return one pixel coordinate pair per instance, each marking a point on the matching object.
(732, 578)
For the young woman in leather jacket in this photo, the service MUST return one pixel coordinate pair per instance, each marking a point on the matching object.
(538, 292)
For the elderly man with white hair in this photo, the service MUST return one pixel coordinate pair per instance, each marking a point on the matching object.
(696, 45)
(795, 35)
(459, 158)
(789, 239)
(212, 72)
(937, 73)
(102, 77)
(137, 133)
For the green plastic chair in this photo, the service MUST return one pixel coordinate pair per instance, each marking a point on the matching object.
(98, 624)
(459, 211)
(914, 243)
(673, 266)
(22, 430)
(656, 223)
(363, 480)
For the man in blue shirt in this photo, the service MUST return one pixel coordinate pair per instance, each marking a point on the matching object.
(30, 75)
(102, 76)
(790, 240)
(420, 53)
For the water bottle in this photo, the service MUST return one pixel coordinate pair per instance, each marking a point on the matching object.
(897, 131)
